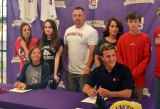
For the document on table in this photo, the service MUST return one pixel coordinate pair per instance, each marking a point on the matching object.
(91, 99)
(19, 91)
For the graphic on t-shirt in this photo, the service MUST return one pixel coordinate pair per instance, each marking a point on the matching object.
(22, 54)
(33, 75)
(46, 53)
(132, 44)
(75, 34)
(34, 78)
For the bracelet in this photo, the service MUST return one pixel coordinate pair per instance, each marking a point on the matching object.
(88, 68)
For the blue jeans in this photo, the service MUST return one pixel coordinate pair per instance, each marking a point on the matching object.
(75, 82)
(157, 92)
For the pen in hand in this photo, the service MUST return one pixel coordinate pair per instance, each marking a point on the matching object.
(92, 92)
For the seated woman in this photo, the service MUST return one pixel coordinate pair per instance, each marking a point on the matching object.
(35, 73)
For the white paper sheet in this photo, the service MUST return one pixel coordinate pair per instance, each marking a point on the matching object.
(91, 99)
(19, 91)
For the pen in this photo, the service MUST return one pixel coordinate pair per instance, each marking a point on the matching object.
(95, 87)
(99, 87)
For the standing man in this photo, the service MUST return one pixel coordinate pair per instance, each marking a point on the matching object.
(134, 51)
(112, 78)
(80, 41)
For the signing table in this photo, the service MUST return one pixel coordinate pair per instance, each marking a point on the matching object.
(54, 99)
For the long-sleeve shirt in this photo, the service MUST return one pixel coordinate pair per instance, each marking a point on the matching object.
(134, 51)
(35, 77)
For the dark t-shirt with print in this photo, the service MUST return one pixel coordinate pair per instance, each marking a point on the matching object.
(49, 54)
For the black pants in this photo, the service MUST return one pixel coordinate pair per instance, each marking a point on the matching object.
(53, 84)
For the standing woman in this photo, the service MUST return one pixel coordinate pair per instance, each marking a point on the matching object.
(114, 29)
(51, 46)
(35, 73)
(24, 43)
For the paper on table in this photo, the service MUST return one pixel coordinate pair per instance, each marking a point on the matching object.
(19, 91)
(91, 99)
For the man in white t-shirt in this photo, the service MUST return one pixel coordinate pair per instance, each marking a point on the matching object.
(80, 40)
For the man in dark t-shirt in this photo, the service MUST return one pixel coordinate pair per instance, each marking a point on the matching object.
(112, 78)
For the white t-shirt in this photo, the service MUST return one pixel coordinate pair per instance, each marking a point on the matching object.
(48, 10)
(28, 10)
(78, 41)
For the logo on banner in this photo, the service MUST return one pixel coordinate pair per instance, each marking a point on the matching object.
(60, 4)
(96, 23)
(93, 4)
(17, 23)
(141, 24)
(15, 59)
(158, 11)
(128, 2)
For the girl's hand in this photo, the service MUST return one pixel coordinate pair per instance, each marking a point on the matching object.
(21, 86)
(56, 77)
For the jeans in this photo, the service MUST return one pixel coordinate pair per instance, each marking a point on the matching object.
(157, 92)
(75, 82)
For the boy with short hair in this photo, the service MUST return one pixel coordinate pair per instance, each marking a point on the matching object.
(134, 51)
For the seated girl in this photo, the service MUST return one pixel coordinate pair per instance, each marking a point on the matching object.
(35, 73)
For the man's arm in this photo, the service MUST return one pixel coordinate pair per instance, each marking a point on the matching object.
(90, 91)
(90, 60)
(97, 60)
(64, 54)
(126, 93)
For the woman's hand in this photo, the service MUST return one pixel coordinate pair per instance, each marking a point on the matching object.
(23, 44)
(19, 85)
(56, 77)
(16, 84)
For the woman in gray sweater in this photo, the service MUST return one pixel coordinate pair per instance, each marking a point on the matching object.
(35, 73)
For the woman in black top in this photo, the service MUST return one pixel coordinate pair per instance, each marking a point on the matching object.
(114, 29)
(51, 47)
